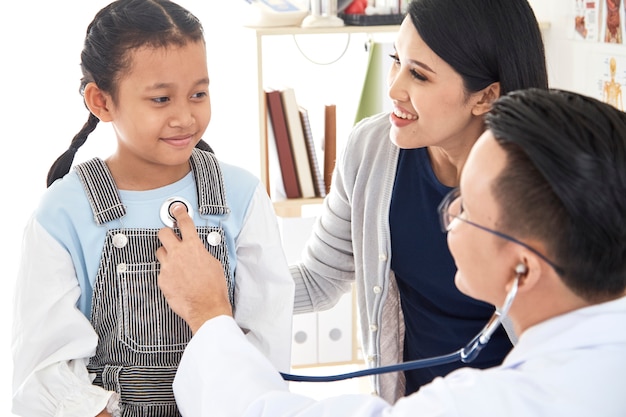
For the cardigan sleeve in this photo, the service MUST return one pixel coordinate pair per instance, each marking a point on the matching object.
(327, 268)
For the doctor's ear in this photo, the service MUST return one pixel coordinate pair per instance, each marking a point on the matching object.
(97, 101)
(486, 98)
(529, 271)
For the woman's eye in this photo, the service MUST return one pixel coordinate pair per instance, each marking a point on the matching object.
(395, 58)
(160, 100)
(417, 75)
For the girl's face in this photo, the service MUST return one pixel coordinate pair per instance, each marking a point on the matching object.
(162, 110)
(430, 104)
(485, 262)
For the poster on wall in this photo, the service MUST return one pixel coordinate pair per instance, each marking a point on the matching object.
(612, 21)
(586, 19)
(610, 79)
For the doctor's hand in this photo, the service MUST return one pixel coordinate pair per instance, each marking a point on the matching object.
(191, 279)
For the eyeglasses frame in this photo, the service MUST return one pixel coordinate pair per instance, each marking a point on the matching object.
(444, 214)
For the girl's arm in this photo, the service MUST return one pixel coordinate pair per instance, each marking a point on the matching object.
(52, 340)
(263, 285)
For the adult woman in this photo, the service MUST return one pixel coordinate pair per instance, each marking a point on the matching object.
(379, 226)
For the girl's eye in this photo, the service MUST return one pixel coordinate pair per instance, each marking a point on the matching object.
(201, 94)
(160, 100)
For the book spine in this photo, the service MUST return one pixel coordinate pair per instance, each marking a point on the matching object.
(318, 178)
(330, 143)
(283, 144)
(298, 146)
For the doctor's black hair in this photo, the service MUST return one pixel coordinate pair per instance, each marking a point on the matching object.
(565, 184)
(485, 41)
(116, 29)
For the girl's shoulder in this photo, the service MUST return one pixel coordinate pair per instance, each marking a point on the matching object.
(64, 194)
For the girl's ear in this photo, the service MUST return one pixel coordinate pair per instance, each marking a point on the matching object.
(487, 97)
(97, 101)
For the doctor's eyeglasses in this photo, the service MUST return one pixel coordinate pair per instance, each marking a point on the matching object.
(451, 211)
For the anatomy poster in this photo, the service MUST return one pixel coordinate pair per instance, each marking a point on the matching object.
(587, 15)
(612, 21)
(610, 78)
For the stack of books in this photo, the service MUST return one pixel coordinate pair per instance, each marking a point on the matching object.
(290, 129)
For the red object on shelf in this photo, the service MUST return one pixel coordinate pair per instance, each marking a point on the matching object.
(356, 7)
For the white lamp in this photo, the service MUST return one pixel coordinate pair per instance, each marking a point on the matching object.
(323, 14)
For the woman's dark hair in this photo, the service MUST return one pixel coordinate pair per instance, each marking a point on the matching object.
(115, 30)
(485, 41)
(565, 183)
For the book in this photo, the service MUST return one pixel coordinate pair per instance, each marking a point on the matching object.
(298, 145)
(278, 125)
(318, 178)
(330, 143)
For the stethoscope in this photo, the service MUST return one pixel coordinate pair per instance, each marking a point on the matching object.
(213, 238)
(465, 354)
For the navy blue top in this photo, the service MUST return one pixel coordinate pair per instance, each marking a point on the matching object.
(439, 319)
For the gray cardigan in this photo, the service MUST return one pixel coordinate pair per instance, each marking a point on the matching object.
(351, 243)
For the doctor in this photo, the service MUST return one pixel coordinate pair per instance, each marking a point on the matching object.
(542, 205)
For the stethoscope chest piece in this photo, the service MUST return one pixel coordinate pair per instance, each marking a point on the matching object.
(166, 214)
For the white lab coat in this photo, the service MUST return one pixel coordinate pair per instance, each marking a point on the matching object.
(571, 365)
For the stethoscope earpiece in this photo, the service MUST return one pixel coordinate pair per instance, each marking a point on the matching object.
(521, 269)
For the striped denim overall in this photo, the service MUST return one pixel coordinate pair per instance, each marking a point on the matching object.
(141, 340)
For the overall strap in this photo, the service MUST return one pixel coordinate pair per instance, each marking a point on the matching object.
(209, 183)
(106, 203)
(101, 190)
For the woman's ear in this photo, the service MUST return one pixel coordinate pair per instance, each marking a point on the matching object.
(487, 97)
(97, 101)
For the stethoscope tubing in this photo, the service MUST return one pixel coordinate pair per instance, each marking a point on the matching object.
(465, 354)
(404, 366)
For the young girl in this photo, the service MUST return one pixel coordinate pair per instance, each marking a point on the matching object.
(93, 334)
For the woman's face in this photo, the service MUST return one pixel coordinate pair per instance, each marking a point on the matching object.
(485, 262)
(430, 104)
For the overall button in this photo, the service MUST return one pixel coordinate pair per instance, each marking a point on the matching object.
(120, 240)
(214, 238)
(377, 289)
(121, 267)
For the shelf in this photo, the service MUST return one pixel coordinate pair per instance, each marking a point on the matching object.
(293, 207)
(297, 30)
